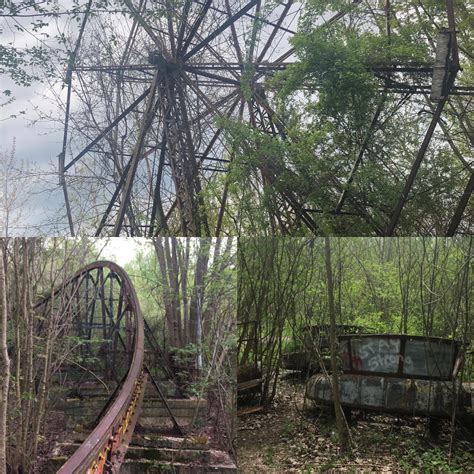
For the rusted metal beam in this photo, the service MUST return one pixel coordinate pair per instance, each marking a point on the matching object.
(182, 26)
(220, 29)
(139, 19)
(254, 17)
(239, 66)
(220, 216)
(277, 26)
(146, 122)
(157, 206)
(201, 159)
(235, 38)
(176, 426)
(107, 442)
(416, 165)
(195, 182)
(115, 194)
(454, 68)
(363, 148)
(458, 213)
(107, 129)
(196, 25)
(221, 79)
(62, 155)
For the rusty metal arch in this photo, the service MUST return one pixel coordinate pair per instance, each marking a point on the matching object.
(105, 446)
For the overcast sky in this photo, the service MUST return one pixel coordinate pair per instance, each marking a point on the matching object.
(121, 250)
(37, 142)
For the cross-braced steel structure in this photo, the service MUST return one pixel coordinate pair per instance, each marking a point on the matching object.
(105, 335)
(149, 144)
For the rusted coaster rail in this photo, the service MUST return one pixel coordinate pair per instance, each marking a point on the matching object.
(105, 447)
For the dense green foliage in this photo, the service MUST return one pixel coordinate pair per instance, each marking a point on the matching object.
(335, 105)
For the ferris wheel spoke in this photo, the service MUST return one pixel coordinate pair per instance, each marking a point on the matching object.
(235, 39)
(195, 26)
(251, 4)
(157, 206)
(102, 134)
(146, 122)
(182, 26)
(220, 79)
(274, 31)
(192, 167)
(139, 19)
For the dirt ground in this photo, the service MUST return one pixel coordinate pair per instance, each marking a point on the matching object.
(289, 439)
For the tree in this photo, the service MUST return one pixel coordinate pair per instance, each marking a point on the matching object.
(340, 422)
(5, 360)
(14, 191)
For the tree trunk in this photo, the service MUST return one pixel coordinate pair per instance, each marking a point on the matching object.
(28, 387)
(184, 265)
(160, 254)
(341, 428)
(197, 298)
(5, 367)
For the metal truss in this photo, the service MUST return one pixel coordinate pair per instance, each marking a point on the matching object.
(101, 321)
(153, 139)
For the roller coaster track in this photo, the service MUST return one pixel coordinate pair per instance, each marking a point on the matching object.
(121, 325)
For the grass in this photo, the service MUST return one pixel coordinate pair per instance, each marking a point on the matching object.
(435, 460)
(288, 428)
(268, 455)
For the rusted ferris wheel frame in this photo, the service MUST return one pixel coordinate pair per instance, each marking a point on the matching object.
(126, 180)
(166, 95)
(107, 443)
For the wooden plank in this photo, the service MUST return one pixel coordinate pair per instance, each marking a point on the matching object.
(249, 384)
(250, 410)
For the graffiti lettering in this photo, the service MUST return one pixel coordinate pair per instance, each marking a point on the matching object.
(376, 355)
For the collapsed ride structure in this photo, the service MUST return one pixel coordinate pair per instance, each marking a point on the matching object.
(125, 406)
(145, 150)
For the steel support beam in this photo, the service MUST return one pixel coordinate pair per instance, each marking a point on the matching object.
(458, 213)
(220, 29)
(146, 122)
(107, 129)
(417, 163)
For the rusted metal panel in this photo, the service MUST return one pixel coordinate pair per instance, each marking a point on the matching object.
(350, 391)
(296, 360)
(432, 358)
(439, 86)
(428, 358)
(375, 354)
(315, 337)
(372, 391)
(395, 373)
(387, 394)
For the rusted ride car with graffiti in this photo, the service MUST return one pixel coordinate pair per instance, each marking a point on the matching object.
(315, 341)
(411, 375)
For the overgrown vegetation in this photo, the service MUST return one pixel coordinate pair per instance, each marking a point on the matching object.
(265, 442)
(342, 131)
(188, 292)
(415, 286)
(418, 286)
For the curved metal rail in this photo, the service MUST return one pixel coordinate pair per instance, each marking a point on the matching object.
(104, 449)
